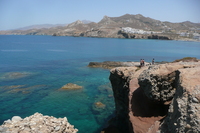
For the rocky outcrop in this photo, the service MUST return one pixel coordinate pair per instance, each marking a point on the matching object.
(143, 36)
(105, 64)
(158, 82)
(113, 64)
(184, 111)
(71, 86)
(163, 98)
(37, 123)
(159, 37)
(120, 78)
(187, 59)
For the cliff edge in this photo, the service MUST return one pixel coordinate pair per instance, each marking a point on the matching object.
(158, 98)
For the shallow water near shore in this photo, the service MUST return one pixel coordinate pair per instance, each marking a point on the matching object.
(34, 68)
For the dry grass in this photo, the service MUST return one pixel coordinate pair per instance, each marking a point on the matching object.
(187, 59)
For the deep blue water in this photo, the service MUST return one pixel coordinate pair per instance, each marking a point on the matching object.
(34, 68)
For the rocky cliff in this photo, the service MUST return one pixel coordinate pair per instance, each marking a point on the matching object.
(161, 98)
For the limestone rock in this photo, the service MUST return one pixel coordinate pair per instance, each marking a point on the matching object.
(16, 118)
(37, 123)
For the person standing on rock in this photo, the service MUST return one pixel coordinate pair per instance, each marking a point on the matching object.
(153, 61)
(140, 62)
(143, 62)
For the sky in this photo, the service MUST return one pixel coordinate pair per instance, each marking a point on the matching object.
(21, 13)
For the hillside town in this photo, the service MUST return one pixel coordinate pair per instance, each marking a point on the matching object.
(186, 34)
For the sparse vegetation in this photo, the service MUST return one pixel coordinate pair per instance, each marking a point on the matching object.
(187, 59)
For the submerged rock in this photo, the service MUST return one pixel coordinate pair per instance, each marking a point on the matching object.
(24, 89)
(14, 75)
(71, 86)
(99, 105)
(37, 123)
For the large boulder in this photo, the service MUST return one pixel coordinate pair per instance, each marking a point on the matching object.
(16, 118)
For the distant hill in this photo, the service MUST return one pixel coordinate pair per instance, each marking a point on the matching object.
(86, 21)
(40, 26)
(140, 22)
(112, 27)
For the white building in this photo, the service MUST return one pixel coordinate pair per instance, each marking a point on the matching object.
(196, 36)
(136, 31)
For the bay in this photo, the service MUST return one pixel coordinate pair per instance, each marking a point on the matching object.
(34, 68)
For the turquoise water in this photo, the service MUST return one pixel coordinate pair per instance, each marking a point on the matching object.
(34, 68)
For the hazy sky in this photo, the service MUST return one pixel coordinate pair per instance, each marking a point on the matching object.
(21, 13)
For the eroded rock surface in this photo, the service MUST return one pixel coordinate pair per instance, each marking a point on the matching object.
(37, 123)
(158, 98)
(184, 111)
(158, 82)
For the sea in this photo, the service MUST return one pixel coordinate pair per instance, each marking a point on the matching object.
(33, 70)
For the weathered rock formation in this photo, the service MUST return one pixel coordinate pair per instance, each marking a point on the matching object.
(163, 98)
(184, 111)
(37, 123)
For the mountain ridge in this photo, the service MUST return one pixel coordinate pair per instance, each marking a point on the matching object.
(112, 27)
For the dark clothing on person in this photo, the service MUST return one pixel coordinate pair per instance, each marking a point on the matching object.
(152, 61)
(143, 62)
